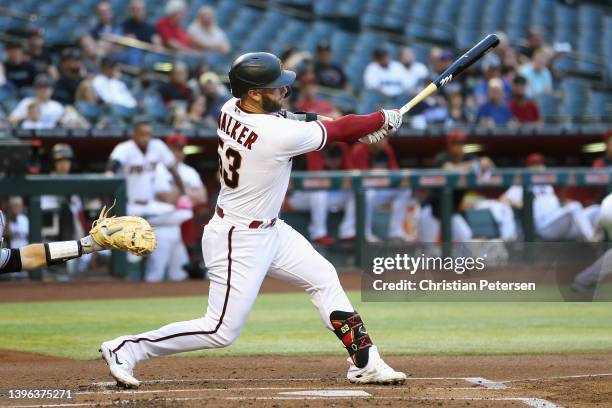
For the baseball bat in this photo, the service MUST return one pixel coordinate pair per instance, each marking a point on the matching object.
(460, 65)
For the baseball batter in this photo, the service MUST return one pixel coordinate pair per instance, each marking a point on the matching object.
(245, 240)
(587, 280)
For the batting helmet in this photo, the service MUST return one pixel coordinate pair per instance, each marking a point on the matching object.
(258, 70)
(62, 151)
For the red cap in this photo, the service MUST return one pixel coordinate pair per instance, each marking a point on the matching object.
(535, 158)
(176, 140)
(456, 136)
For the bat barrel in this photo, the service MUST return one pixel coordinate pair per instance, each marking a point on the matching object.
(466, 60)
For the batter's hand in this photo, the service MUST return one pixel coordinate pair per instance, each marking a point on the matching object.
(393, 119)
(375, 136)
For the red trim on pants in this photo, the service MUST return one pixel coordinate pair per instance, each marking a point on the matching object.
(227, 292)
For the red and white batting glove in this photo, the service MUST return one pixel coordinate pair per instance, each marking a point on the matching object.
(375, 136)
(393, 119)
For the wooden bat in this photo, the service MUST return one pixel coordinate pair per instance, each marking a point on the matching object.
(460, 65)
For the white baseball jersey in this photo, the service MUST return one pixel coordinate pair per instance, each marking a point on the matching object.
(255, 153)
(189, 176)
(545, 201)
(139, 168)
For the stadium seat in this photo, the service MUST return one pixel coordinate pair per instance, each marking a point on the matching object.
(482, 223)
(90, 111)
(548, 107)
(369, 102)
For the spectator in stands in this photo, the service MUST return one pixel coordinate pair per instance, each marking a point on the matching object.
(179, 118)
(321, 202)
(205, 34)
(109, 88)
(374, 156)
(383, 75)
(38, 55)
(327, 73)
(606, 159)
(495, 112)
(416, 72)
(491, 68)
(539, 78)
(18, 223)
(169, 27)
(196, 113)
(104, 25)
(215, 93)
(19, 71)
(32, 120)
(137, 26)
(50, 111)
(524, 110)
(309, 100)
(458, 114)
(71, 76)
(176, 88)
(439, 60)
(90, 54)
(535, 41)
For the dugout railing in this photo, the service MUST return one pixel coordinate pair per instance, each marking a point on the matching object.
(94, 185)
(447, 183)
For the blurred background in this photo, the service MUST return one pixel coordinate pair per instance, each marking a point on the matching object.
(76, 75)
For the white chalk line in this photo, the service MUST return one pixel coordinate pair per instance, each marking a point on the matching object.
(186, 390)
(561, 377)
(188, 380)
(489, 384)
(532, 402)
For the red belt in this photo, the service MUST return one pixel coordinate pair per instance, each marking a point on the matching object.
(255, 224)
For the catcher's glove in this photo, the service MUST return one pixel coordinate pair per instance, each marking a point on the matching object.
(128, 233)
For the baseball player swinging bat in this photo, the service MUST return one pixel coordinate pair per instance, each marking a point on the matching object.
(465, 61)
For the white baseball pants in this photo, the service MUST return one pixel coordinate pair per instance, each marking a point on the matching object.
(571, 221)
(169, 256)
(399, 200)
(430, 227)
(320, 203)
(239, 258)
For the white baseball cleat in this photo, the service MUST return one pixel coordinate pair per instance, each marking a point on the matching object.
(119, 369)
(375, 372)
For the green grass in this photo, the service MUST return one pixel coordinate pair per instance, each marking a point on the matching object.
(288, 324)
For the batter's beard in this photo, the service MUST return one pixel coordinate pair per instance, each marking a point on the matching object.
(270, 105)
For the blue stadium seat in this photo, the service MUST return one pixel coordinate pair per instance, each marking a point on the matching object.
(599, 106)
(90, 111)
(369, 102)
(548, 107)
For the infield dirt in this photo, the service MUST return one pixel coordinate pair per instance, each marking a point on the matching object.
(549, 381)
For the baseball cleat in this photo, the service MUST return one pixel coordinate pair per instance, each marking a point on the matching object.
(119, 369)
(375, 372)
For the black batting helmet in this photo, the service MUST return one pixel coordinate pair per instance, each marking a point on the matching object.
(258, 70)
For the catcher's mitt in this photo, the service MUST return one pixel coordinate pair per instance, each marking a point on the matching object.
(128, 233)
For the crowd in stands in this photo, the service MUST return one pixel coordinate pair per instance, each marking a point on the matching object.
(95, 84)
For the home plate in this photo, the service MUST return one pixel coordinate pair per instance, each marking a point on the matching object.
(328, 393)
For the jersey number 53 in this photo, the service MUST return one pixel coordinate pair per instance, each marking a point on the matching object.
(234, 161)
